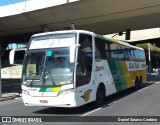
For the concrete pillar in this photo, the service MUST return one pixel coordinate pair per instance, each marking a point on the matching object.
(0, 73)
(149, 57)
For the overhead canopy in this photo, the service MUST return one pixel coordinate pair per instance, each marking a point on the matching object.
(147, 46)
(100, 16)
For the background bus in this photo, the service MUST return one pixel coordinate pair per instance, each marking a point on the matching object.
(73, 68)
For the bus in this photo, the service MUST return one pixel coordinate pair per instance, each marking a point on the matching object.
(75, 67)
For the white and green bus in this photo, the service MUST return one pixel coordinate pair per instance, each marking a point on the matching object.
(76, 67)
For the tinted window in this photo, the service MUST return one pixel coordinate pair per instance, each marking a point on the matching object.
(101, 49)
(85, 57)
(117, 51)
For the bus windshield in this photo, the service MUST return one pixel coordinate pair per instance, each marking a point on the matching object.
(48, 67)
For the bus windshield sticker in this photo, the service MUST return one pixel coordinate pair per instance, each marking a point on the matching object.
(31, 69)
(49, 53)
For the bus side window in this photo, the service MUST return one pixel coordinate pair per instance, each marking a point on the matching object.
(121, 54)
(101, 49)
(85, 57)
(114, 50)
(86, 43)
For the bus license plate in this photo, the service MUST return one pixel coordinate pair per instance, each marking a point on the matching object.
(43, 101)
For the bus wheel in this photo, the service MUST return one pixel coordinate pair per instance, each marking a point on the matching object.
(100, 94)
(141, 80)
(137, 83)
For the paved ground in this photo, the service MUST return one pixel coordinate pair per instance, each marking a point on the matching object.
(11, 88)
(144, 102)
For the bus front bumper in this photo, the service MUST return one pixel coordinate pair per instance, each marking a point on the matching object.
(58, 101)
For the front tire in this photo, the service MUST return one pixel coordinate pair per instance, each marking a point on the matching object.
(100, 94)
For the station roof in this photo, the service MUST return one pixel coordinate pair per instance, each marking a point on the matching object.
(100, 16)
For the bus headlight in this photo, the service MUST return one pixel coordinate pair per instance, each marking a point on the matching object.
(64, 92)
(25, 92)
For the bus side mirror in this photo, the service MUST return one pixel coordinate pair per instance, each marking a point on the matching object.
(72, 52)
(16, 56)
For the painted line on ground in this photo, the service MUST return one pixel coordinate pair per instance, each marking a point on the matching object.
(142, 89)
(111, 103)
(91, 112)
(18, 98)
(98, 109)
(157, 82)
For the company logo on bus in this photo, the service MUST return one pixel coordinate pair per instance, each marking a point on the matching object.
(143, 65)
(133, 65)
(86, 95)
(99, 68)
(34, 89)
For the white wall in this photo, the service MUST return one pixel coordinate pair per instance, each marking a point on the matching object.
(140, 34)
(30, 5)
(11, 72)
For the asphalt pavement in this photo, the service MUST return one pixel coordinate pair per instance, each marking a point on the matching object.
(11, 89)
(131, 102)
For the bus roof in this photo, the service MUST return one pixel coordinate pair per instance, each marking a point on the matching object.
(91, 33)
(63, 31)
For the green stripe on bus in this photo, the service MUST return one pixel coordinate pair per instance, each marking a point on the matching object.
(49, 89)
(117, 73)
(104, 38)
(114, 72)
(121, 75)
(42, 89)
(55, 89)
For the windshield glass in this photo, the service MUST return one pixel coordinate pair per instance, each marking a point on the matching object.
(58, 70)
(50, 67)
(33, 67)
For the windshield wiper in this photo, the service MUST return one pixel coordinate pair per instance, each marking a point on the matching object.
(51, 77)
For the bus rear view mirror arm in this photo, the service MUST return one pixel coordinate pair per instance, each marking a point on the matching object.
(72, 52)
